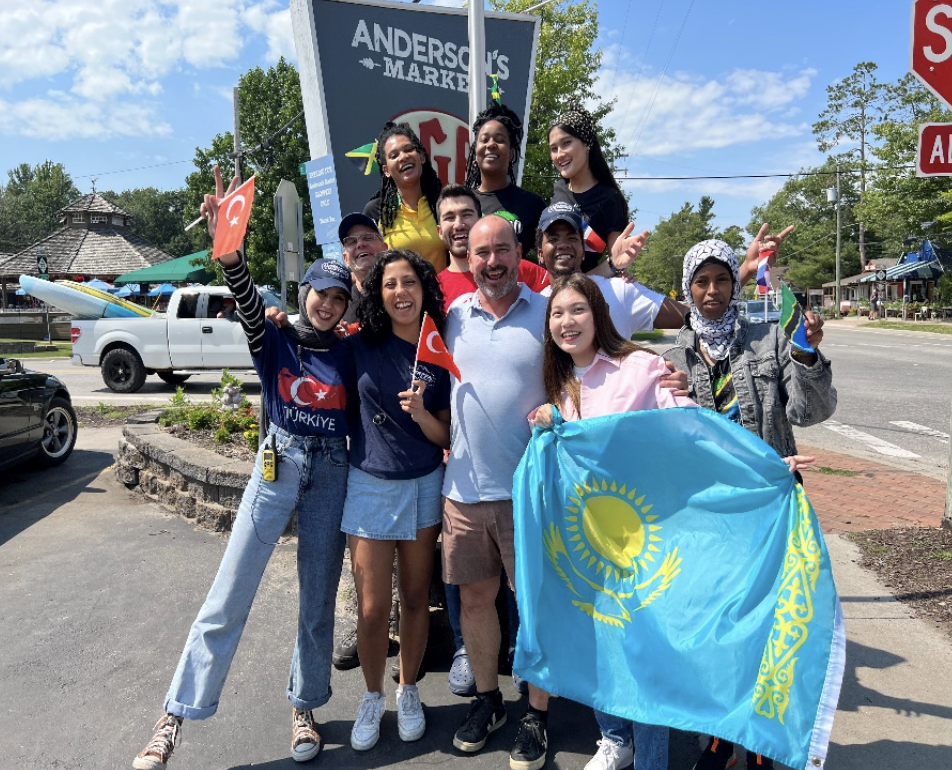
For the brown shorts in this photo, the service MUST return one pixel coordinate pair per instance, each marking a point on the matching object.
(478, 541)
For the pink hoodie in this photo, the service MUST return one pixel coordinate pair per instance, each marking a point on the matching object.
(629, 384)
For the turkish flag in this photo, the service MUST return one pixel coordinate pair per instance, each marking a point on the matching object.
(233, 214)
(432, 350)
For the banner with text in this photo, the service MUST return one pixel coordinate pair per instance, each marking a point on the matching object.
(364, 63)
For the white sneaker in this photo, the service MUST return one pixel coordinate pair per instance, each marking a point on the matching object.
(410, 720)
(366, 730)
(611, 756)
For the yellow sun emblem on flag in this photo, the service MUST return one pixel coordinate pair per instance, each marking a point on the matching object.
(614, 547)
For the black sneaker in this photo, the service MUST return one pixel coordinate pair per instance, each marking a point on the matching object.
(719, 755)
(345, 652)
(486, 714)
(528, 752)
(759, 761)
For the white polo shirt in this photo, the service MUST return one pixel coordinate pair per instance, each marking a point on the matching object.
(633, 307)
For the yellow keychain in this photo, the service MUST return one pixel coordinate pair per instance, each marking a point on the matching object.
(269, 462)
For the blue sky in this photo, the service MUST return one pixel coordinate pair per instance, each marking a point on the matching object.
(125, 90)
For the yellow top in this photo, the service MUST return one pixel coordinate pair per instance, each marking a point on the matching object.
(416, 230)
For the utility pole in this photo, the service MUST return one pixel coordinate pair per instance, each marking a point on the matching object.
(477, 59)
(234, 98)
(838, 241)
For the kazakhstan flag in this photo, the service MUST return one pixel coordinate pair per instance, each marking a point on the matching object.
(670, 570)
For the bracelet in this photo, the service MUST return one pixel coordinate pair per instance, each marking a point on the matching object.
(616, 271)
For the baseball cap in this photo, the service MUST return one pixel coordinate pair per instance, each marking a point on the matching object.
(355, 218)
(327, 273)
(561, 212)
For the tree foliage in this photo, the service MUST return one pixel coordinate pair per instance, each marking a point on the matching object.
(267, 101)
(566, 66)
(29, 203)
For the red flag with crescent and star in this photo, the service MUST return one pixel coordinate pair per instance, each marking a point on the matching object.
(233, 214)
(432, 350)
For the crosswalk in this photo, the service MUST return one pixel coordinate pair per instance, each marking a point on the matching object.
(887, 448)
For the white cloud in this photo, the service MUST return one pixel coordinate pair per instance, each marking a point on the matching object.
(684, 113)
(276, 28)
(63, 117)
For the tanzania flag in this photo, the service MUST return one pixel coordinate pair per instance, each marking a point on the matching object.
(791, 320)
(365, 157)
(671, 571)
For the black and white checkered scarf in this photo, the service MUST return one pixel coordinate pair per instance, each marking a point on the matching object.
(715, 336)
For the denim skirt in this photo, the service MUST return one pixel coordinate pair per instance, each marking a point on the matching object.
(391, 509)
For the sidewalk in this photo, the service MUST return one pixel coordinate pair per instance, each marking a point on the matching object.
(877, 497)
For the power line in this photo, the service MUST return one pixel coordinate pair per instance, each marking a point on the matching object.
(127, 170)
(787, 175)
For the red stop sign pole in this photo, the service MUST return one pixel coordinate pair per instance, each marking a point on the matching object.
(931, 53)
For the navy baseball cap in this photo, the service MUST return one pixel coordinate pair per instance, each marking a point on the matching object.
(561, 212)
(355, 218)
(327, 273)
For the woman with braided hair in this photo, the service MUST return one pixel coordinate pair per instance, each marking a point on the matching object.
(405, 205)
(586, 181)
(491, 172)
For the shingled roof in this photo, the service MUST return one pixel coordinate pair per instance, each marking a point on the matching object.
(95, 203)
(102, 252)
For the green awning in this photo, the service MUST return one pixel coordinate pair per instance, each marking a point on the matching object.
(174, 271)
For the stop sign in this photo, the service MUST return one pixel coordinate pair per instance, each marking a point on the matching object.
(932, 46)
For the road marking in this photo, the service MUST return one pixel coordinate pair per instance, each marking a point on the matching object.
(874, 443)
(922, 430)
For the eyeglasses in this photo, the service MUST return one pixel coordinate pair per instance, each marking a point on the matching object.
(352, 240)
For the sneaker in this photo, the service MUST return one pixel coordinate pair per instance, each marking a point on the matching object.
(718, 755)
(486, 715)
(366, 730)
(759, 761)
(611, 756)
(168, 730)
(521, 685)
(305, 740)
(410, 720)
(528, 752)
(461, 680)
(345, 652)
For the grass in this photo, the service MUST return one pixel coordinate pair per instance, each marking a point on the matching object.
(63, 349)
(910, 326)
(827, 471)
(653, 336)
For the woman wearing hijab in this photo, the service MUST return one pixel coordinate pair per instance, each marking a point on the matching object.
(585, 179)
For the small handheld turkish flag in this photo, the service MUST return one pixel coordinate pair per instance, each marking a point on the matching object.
(233, 214)
(431, 349)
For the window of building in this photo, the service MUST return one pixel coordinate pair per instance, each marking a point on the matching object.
(98, 218)
(78, 219)
(117, 220)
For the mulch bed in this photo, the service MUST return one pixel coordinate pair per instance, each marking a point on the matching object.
(916, 565)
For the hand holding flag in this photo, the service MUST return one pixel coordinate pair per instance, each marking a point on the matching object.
(235, 209)
(763, 272)
(792, 322)
(432, 350)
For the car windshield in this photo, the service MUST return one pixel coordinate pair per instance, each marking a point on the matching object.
(757, 307)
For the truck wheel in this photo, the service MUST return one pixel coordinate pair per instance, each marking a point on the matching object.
(59, 433)
(172, 378)
(122, 371)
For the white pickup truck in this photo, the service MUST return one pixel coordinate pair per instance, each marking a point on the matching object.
(187, 338)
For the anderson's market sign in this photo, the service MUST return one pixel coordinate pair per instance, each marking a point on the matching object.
(364, 63)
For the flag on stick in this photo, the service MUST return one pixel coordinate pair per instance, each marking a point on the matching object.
(763, 271)
(233, 214)
(432, 350)
(365, 157)
(593, 241)
(495, 91)
(791, 321)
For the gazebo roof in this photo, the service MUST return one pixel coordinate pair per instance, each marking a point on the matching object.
(95, 203)
(102, 252)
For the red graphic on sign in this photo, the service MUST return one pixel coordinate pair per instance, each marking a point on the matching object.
(308, 392)
(931, 56)
(935, 150)
(446, 139)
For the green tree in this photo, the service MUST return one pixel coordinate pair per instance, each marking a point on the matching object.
(157, 216)
(566, 65)
(268, 100)
(29, 203)
(810, 250)
(854, 104)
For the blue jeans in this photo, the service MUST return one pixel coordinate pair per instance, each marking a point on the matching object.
(650, 741)
(312, 478)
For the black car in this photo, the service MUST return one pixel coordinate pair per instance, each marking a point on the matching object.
(37, 421)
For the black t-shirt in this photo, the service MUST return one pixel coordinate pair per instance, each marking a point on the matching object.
(525, 206)
(603, 207)
(350, 315)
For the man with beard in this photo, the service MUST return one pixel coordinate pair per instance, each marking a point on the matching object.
(458, 209)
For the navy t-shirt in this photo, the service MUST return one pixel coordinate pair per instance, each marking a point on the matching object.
(603, 207)
(309, 402)
(385, 442)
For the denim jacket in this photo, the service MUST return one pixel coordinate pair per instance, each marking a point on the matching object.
(773, 390)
